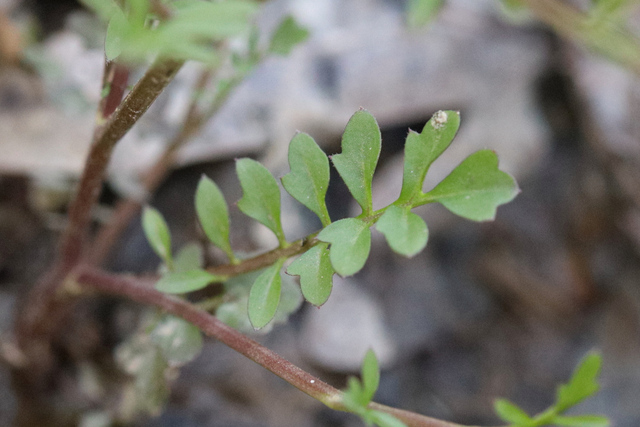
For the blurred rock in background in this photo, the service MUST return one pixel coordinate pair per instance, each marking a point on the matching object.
(502, 309)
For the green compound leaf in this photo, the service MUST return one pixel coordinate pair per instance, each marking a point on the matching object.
(265, 296)
(157, 233)
(511, 413)
(309, 177)
(186, 281)
(260, 196)
(356, 164)
(370, 376)
(582, 421)
(421, 149)
(405, 231)
(189, 257)
(316, 274)
(350, 240)
(476, 188)
(583, 383)
(287, 36)
(382, 419)
(421, 12)
(213, 214)
(179, 341)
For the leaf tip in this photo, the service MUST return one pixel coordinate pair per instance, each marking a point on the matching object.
(439, 119)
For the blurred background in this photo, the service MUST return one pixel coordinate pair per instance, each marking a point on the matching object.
(500, 309)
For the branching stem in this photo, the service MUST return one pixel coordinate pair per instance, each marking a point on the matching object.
(43, 311)
(90, 279)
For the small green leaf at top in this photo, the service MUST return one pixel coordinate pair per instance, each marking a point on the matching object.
(350, 240)
(265, 296)
(583, 383)
(157, 233)
(581, 421)
(405, 231)
(421, 12)
(370, 373)
(475, 188)
(309, 177)
(287, 36)
(213, 214)
(361, 143)
(179, 340)
(316, 274)
(186, 281)
(511, 413)
(260, 196)
(422, 149)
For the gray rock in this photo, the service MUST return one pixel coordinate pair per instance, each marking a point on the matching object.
(337, 335)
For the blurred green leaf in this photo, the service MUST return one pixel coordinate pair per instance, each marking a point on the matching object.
(370, 373)
(421, 149)
(421, 12)
(117, 32)
(582, 421)
(513, 5)
(265, 296)
(287, 36)
(511, 413)
(140, 358)
(358, 395)
(260, 196)
(213, 214)
(356, 164)
(186, 281)
(316, 274)
(475, 188)
(189, 257)
(188, 34)
(103, 8)
(309, 177)
(211, 20)
(405, 231)
(234, 312)
(583, 383)
(157, 233)
(151, 383)
(179, 341)
(350, 240)
(382, 419)
(353, 397)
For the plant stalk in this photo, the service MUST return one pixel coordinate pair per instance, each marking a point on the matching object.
(86, 278)
(43, 310)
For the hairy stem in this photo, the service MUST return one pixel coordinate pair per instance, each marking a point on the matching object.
(87, 278)
(127, 209)
(43, 311)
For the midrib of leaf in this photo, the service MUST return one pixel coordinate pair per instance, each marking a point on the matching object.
(427, 198)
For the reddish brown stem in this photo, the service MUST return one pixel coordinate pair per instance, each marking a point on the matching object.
(116, 80)
(42, 311)
(91, 279)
